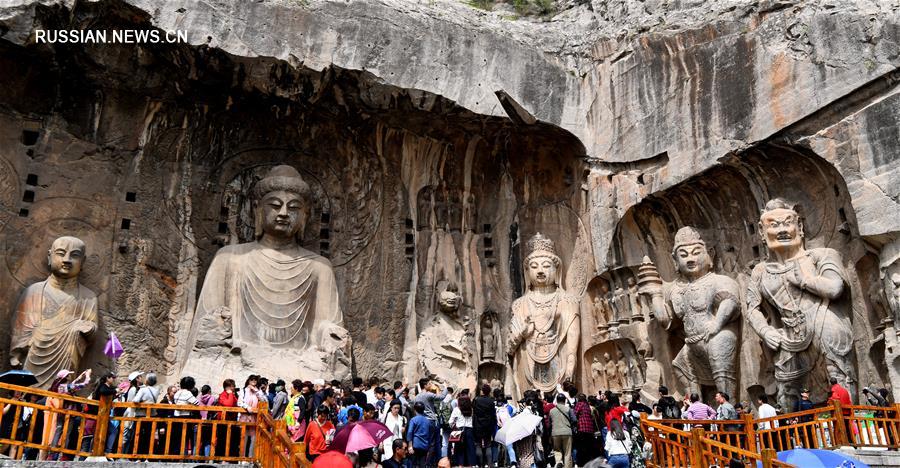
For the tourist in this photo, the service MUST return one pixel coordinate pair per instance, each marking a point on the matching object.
(561, 429)
(873, 398)
(183, 397)
(390, 396)
(358, 394)
(396, 422)
(379, 401)
(53, 429)
(505, 411)
(618, 445)
(295, 414)
(371, 394)
(106, 388)
(249, 399)
(206, 399)
(461, 432)
(585, 440)
(319, 434)
(399, 449)
(697, 410)
(725, 412)
(279, 402)
(430, 399)
(839, 393)
(227, 435)
(369, 412)
(147, 394)
(421, 434)
(263, 391)
(484, 425)
(348, 402)
(161, 432)
(616, 410)
(667, 404)
(765, 410)
(636, 405)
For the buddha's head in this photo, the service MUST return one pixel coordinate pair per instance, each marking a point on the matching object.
(66, 257)
(606, 357)
(449, 299)
(282, 203)
(780, 227)
(690, 254)
(542, 265)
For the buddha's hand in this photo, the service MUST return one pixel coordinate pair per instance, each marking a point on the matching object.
(85, 327)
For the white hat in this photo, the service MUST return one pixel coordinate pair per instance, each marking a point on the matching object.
(319, 382)
(134, 375)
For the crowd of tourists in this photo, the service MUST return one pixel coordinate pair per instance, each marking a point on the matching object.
(430, 425)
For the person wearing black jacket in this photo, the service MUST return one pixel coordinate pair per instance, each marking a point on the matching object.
(484, 424)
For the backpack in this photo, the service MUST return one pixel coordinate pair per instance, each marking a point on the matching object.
(444, 411)
(669, 408)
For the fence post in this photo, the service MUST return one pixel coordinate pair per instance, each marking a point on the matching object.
(768, 456)
(840, 424)
(696, 453)
(750, 431)
(102, 427)
(262, 410)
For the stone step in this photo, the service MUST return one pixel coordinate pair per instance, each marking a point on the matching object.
(874, 457)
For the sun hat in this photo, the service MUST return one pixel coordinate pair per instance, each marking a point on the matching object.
(134, 375)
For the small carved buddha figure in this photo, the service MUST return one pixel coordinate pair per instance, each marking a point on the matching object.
(55, 318)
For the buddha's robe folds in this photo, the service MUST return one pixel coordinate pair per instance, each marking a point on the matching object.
(278, 299)
(51, 326)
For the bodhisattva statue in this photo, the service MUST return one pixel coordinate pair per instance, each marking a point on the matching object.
(55, 318)
(708, 304)
(794, 304)
(599, 375)
(623, 369)
(488, 337)
(443, 353)
(544, 330)
(282, 299)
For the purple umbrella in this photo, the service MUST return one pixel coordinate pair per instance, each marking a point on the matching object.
(359, 436)
(113, 347)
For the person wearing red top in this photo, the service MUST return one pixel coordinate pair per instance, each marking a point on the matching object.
(227, 398)
(584, 438)
(616, 410)
(319, 434)
(839, 393)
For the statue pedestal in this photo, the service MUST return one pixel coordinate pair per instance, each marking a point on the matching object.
(214, 364)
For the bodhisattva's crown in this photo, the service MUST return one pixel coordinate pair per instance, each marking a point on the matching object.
(540, 244)
(687, 236)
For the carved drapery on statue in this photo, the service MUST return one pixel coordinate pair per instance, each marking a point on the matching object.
(280, 299)
(54, 318)
(545, 326)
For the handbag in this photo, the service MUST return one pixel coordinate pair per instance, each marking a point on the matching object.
(456, 436)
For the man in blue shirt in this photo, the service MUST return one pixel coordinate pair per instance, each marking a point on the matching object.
(421, 435)
(349, 402)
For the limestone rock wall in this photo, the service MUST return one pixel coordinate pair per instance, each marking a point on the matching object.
(650, 115)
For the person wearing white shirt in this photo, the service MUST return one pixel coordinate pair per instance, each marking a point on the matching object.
(766, 410)
(396, 422)
(461, 424)
(618, 445)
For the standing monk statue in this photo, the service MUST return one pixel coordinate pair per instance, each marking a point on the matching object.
(708, 305)
(544, 330)
(282, 299)
(55, 318)
(794, 304)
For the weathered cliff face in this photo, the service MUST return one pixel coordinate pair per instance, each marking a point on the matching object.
(651, 115)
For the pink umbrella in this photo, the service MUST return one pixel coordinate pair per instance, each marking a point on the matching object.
(360, 436)
(113, 347)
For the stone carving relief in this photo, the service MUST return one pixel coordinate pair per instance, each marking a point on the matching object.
(282, 299)
(794, 303)
(442, 350)
(55, 318)
(545, 327)
(707, 305)
(615, 365)
(490, 336)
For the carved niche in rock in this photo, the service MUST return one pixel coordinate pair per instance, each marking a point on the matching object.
(55, 318)
(490, 337)
(615, 365)
(282, 299)
(708, 306)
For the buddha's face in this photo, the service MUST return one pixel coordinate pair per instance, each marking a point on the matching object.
(692, 260)
(283, 213)
(66, 257)
(542, 271)
(781, 229)
(606, 356)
